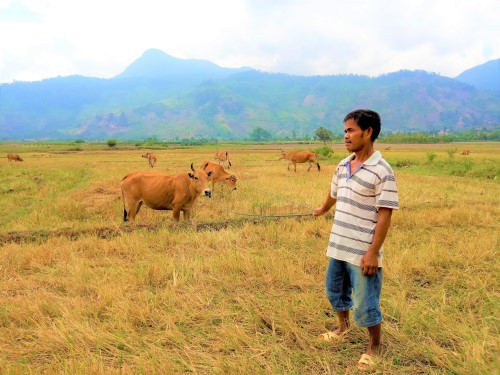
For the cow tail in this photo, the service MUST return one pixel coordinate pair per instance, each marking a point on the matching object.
(319, 168)
(123, 200)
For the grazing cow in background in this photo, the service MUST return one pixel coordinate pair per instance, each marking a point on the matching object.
(151, 158)
(465, 152)
(219, 175)
(14, 157)
(300, 157)
(388, 148)
(163, 192)
(222, 157)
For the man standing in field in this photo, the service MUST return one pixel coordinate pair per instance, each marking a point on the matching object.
(364, 191)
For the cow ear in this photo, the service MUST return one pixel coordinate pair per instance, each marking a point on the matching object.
(191, 175)
(192, 168)
(205, 167)
(209, 173)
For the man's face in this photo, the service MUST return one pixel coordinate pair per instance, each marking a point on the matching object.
(355, 138)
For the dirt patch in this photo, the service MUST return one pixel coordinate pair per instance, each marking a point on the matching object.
(38, 236)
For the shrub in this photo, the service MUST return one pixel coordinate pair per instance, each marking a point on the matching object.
(403, 164)
(431, 156)
(111, 142)
(451, 152)
(324, 151)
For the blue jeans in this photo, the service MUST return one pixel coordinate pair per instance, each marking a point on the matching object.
(346, 286)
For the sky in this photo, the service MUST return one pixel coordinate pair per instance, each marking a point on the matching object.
(99, 38)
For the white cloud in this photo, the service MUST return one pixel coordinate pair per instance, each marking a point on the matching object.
(48, 38)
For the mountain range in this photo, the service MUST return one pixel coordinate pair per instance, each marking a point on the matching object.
(169, 98)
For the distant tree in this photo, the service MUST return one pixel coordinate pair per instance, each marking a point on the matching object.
(112, 142)
(259, 134)
(151, 140)
(324, 135)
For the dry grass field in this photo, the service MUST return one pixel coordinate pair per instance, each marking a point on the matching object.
(235, 292)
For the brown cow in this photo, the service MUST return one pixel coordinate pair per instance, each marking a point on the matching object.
(222, 157)
(465, 152)
(300, 157)
(163, 192)
(151, 158)
(219, 175)
(388, 148)
(14, 157)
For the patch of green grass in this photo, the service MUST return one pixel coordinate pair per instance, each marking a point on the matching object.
(483, 169)
(35, 189)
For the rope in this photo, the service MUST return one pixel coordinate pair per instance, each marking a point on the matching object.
(283, 215)
(278, 215)
(287, 199)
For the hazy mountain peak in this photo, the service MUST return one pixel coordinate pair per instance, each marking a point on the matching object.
(485, 76)
(155, 63)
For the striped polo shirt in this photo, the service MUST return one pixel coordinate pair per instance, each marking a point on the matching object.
(359, 195)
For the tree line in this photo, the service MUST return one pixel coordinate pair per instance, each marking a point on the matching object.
(324, 135)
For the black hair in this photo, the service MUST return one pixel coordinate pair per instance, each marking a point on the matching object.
(366, 118)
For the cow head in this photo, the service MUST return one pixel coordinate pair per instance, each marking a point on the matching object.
(146, 155)
(200, 180)
(231, 182)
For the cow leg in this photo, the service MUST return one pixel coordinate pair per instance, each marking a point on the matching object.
(187, 215)
(319, 168)
(177, 213)
(295, 166)
(134, 210)
(310, 165)
(139, 205)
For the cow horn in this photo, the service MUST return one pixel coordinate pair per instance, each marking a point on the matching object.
(192, 168)
(205, 167)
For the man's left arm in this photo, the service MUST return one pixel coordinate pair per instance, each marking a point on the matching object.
(369, 262)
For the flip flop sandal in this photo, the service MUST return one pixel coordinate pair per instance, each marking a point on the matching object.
(366, 362)
(331, 336)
